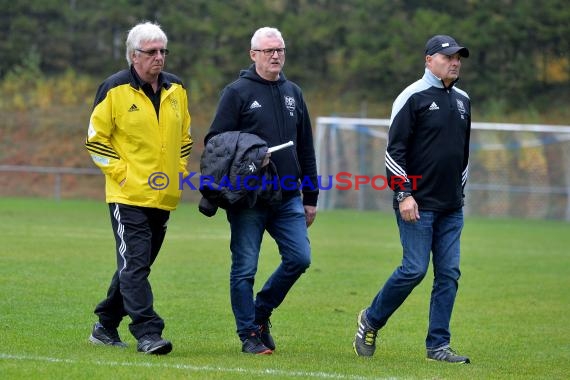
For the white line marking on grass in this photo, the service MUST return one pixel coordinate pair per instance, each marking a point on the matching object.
(187, 367)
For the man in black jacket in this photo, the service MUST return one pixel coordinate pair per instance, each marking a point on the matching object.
(263, 102)
(429, 137)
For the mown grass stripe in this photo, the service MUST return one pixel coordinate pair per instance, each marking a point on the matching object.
(188, 367)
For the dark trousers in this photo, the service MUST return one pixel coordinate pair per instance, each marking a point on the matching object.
(139, 233)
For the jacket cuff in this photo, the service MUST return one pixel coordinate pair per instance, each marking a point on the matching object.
(310, 198)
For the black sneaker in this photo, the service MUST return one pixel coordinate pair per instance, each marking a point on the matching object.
(254, 345)
(265, 335)
(364, 343)
(154, 344)
(105, 336)
(446, 354)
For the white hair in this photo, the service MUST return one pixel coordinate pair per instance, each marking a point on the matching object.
(143, 32)
(266, 31)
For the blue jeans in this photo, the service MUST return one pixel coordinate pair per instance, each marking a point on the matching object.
(436, 232)
(286, 224)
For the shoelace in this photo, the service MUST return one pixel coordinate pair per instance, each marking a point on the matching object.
(264, 327)
(446, 352)
(370, 337)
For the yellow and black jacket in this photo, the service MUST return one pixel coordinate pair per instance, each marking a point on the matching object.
(130, 143)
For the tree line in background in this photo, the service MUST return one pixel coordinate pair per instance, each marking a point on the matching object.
(357, 50)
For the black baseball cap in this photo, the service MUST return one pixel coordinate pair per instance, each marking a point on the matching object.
(445, 45)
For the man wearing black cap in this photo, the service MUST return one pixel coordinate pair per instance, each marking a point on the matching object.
(429, 137)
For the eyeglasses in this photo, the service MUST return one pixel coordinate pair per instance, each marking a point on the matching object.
(154, 52)
(270, 52)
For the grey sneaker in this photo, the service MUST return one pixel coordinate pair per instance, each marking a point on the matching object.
(364, 343)
(105, 336)
(446, 354)
(154, 344)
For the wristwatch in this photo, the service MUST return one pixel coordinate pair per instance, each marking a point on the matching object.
(402, 195)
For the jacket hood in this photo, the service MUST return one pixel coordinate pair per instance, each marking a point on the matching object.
(251, 74)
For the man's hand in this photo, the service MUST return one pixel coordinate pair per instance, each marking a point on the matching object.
(310, 214)
(266, 160)
(409, 210)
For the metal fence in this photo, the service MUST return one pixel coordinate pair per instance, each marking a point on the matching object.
(59, 182)
(57, 172)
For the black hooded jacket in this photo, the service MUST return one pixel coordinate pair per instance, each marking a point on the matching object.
(232, 174)
(276, 112)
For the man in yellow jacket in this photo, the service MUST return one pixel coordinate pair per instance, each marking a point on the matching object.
(139, 135)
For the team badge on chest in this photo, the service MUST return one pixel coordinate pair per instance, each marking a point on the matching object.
(290, 104)
(461, 108)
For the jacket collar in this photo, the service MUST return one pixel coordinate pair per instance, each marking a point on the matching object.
(137, 82)
(435, 81)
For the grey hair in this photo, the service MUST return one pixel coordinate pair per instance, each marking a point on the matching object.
(266, 31)
(143, 32)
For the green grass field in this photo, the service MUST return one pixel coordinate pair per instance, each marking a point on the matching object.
(512, 315)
